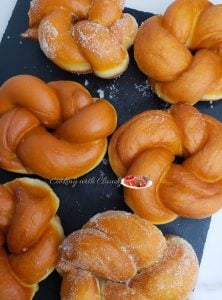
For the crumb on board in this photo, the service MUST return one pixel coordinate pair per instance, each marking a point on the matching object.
(101, 93)
(86, 82)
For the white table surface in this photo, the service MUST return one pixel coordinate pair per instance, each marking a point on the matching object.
(210, 280)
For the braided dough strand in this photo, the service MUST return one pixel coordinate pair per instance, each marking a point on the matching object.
(180, 52)
(83, 36)
(147, 145)
(29, 108)
(31, 232)
(118, 255)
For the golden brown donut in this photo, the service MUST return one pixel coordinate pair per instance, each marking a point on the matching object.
(147, 145)
(81, 126)
(83, 36)
(40, 8)
(180, 52)
(119, 256)
(32, 234)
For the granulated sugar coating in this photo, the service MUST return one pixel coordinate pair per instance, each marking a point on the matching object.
(172, 278)
(95, 39)
(143, 241)
(86, 82)
(34, 4)
(111, 91)
(100, 93)
(96, 252)
(49, 33)
(76, 280)
(117, 247)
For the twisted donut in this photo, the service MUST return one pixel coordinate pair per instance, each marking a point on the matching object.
(147, 145)
(83, 36)
(181, 51)
(28, 107)
(118, 255)
(32, 232)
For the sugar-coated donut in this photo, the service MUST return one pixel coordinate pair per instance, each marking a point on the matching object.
(83, 36)
(120, 256)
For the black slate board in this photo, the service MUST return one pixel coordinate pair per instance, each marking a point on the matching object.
(130, 96)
